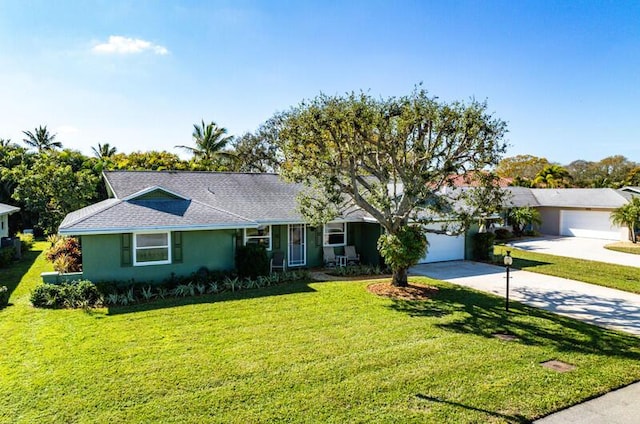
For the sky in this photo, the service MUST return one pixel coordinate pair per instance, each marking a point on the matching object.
(564, 75)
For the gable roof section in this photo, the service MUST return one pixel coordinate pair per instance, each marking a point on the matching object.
(118, 215)
(155, 192)
(8, 209)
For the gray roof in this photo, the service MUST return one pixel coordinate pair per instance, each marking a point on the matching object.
(606, 198)
(8, 209)
(518, 197)
(210, 201)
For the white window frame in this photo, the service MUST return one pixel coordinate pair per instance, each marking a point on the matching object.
(135, 248)
(246, 237)
(325, 235)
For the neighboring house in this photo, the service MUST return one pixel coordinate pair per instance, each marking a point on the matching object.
(576, 212)
(5, 211)
(160, 223)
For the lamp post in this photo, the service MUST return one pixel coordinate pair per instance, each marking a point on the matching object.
(508, 260)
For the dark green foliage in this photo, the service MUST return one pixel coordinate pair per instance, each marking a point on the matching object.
(77, 294)
(6, 256)
(402, 250)
(26, 242)
(4, 296)
(252, 261)
(503, 234)
(483, 246)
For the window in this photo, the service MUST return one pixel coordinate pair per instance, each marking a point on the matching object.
(260, 235)
(335, 234)
(151, 249)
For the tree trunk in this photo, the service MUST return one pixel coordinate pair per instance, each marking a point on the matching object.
(400, 277)
(632, 233)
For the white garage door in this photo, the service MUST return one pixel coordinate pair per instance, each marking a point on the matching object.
(444, 248)
(590, 224)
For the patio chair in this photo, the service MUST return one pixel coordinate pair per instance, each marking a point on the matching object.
(329, 257)
(352, 257)
(277, 262)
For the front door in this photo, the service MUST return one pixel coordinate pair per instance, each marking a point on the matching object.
(297, 245)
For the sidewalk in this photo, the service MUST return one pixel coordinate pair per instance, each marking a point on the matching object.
(586, 302)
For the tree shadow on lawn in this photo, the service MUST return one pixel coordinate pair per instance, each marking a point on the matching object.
(484, 315)
(13, 274)
(508, 418)
(276, 290)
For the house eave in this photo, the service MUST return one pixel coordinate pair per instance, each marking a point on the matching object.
(120, 230)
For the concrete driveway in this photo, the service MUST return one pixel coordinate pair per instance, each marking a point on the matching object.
(596, 305)
(586, 302)
(577, 247)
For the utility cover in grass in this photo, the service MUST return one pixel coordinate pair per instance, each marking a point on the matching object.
(505, 337)
(558, 366)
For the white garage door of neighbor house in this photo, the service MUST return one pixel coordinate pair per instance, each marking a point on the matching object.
(589, 224)
(444, 248)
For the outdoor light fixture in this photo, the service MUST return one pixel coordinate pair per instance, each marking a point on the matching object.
(508, 261)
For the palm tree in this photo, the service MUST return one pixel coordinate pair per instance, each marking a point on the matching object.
(41, 139)
(629, 216)
(210, 141)
(521, 217)
(104, 151)
(552, 176)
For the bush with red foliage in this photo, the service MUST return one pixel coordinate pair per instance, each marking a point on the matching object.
(66, 255)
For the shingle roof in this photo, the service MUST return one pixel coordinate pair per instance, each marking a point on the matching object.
(579, 197)
(8, 209)
(518, 197)
(217, 200)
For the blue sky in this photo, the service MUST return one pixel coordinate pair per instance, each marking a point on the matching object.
(139, 74)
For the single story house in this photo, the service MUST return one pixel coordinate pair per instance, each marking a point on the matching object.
(5, 211)
(158, 223)
(575, 212)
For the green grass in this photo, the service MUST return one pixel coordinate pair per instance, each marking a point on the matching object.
(317, 352)
(619, 277)
(624, 247)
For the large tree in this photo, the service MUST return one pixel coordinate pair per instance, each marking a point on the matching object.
(211, 143)
(393, 158)
(521, 166)
(552, 176)
(259, 151)
(41, 139)
(104, 151)
(54, 185)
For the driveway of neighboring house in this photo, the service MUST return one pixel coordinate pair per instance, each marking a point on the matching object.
(596, 305)
(578, 247)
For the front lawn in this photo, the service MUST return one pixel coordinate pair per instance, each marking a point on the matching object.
(317, 352)
(619, 277)
(625, 247)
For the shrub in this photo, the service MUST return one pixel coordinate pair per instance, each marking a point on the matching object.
(66, 255)
(26, 241)
(4, 296)
(503, 234)
(77, 294)
(252, 261)
(6, 256)
(483, 246)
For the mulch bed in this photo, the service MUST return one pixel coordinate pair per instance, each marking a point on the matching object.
(412, 292)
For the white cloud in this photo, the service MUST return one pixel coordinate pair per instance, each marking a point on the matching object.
(118, 44)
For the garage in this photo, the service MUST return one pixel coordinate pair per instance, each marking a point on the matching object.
(443, 247)
(589, 224)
